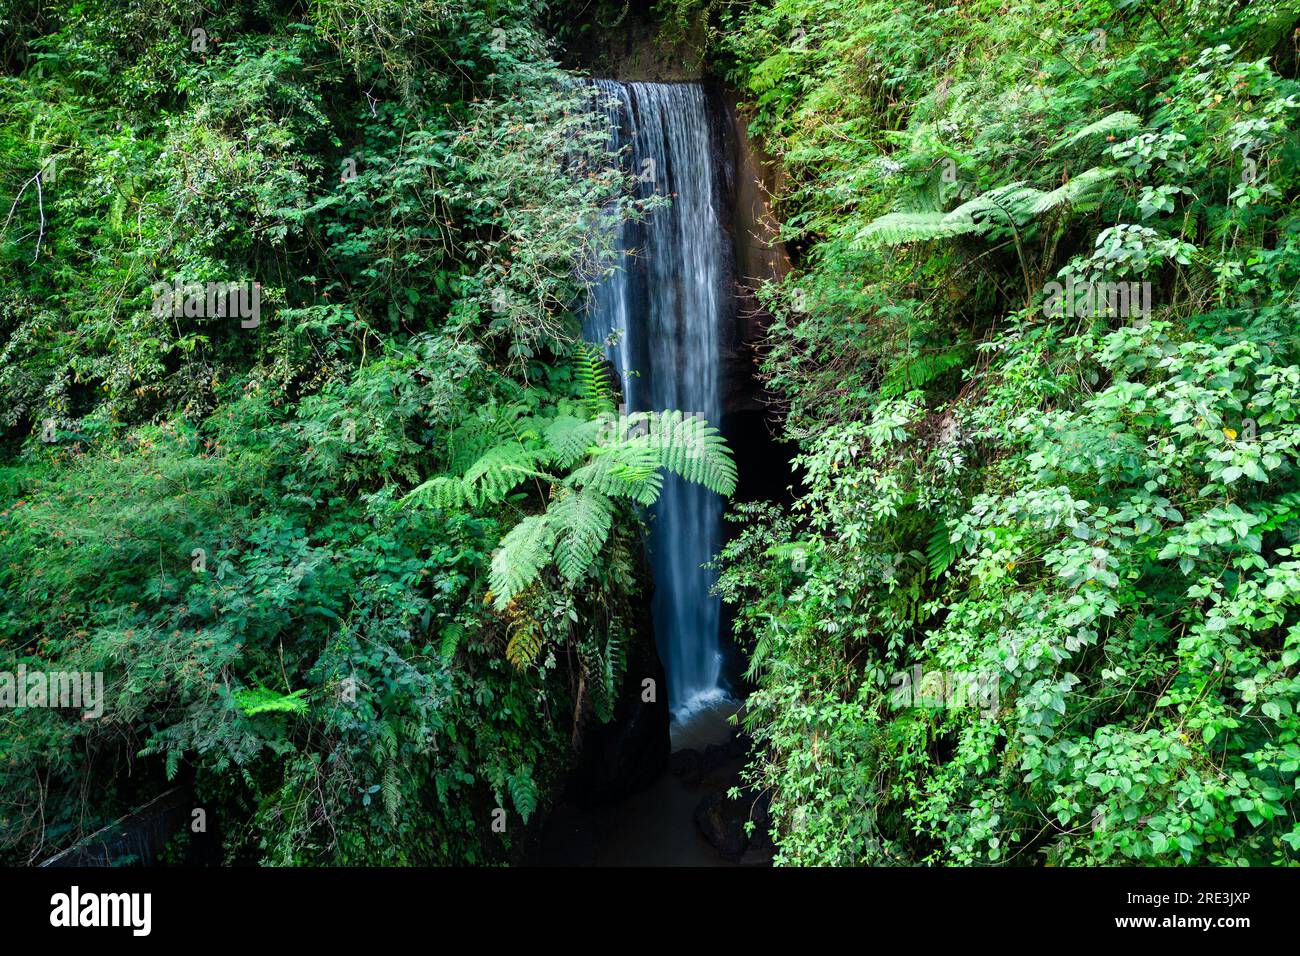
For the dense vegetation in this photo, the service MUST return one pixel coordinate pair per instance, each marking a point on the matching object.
(359, 566)
(1083, 520)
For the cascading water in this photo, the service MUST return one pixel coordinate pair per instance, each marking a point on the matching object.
(662, 312)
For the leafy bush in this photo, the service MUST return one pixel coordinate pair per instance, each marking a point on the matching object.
(1089, 514)
(213, 513)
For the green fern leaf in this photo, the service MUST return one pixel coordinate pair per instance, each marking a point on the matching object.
(614, 663)
(1082, 190)
(523, 792)
(524, 551)
(1014, 204)
(260, 700)
(898, 228)
(916, 372)
(625, 470)
(525, 645)
(688, 446)
(1109, 125)
(940, 550)
(451, 637)
(444, 491)
(570, 438)
(593, 379)
(500, 469)
(392, 793)
(492, 425)
(581, 520)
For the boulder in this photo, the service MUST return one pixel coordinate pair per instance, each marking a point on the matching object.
(686, 763)
(722, 822)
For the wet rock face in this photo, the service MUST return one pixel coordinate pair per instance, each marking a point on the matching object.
(635, 47)
(756, 253)
(693, 765)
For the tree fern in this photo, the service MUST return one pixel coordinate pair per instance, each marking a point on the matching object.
(489, 479)
(524, 551)
(611, 457)
(570, 438)
(1082, 191)
(490, 426)
(624, 470)
(581, 521)
(690, 447)
(898, 228)
(1013, 204)
(500, 469)
(442, 491)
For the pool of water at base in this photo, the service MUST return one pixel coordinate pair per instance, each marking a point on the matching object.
(656, 826)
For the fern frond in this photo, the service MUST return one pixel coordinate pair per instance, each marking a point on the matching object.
(626, 470)
(392, 792)
(444, 491)
(1082, 190)
(922, 196)
(500, 469)
(615, 664)
(525, 644)
(761, 650)
(1109, 125)
(581, 520)
(1005, 204)
(570, 438)
(451, 636)
(262, 700)
(940, 551)
(688, 446)
(608, 670)
(492, 425)
(523, 792)
(524, 551)
(916, 372)
(593, 379)
(1011, 204)
(898, 228)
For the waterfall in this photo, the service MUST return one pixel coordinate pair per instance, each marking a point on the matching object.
(662, 310)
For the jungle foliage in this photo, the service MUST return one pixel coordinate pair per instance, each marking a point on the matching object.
(305, 548)
(1090, 513)
(355, 569)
